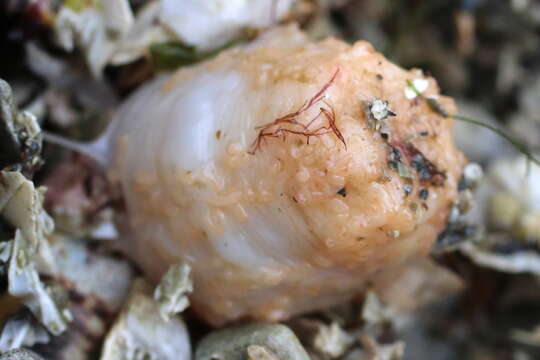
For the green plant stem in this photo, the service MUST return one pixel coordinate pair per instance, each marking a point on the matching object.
(437, 108)
(522, 148)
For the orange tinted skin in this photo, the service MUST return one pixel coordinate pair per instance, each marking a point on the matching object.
(335, 244)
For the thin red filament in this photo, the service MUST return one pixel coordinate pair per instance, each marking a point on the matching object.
(289, 124)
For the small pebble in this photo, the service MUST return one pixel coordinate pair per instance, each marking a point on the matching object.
(233, 343)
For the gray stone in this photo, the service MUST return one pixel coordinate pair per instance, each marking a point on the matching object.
(232, 343)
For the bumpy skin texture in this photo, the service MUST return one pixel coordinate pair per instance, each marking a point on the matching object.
(269, 230)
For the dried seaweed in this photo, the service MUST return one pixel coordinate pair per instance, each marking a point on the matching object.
(289, 124)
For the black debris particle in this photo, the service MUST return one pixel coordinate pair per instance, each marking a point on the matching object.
(427, 171)
(454, 234)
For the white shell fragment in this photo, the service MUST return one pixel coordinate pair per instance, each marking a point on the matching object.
(141, 333)
(515, 202)
(105, 277)
(332, 341)
(519, 178)
(22, 205)
(24, 282)
(374, 312)
(510, 198)
(171, 293)
(92, 29)
(418, 87)
(145, 31)
(109, 33)
(209, 24)
(22, 331)
(377, 114)
(379, 109)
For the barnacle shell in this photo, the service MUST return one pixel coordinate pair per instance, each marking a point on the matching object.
(291, 225)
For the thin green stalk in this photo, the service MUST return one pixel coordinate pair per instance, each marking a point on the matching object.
(438, 108)
(521, 147)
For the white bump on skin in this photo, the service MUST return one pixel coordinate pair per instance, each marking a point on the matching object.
(420, 85)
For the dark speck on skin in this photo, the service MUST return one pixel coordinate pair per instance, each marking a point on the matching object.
(342, 192)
